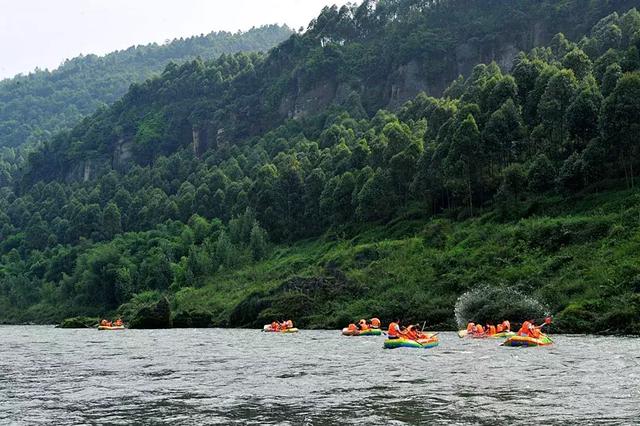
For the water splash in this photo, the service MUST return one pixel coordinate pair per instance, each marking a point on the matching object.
(491, 304)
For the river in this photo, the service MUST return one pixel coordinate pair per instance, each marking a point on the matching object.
(217, 376)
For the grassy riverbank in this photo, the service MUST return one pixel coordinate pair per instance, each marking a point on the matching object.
(579, 258)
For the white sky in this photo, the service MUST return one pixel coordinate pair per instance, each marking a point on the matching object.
(43, 33)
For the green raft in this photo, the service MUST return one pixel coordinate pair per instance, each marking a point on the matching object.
(369, 332)
(425, 343)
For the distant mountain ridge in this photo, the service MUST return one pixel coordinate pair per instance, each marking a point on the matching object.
(41, 103)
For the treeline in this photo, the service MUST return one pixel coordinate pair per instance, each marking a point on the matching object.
(565, 118)
(36, 106)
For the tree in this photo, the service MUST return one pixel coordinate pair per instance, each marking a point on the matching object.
(578, 62)
(583, 114)
(376, 200)
(258, 242)
(541, 174)
(464, 159)
(503, 130)
(620, 122)
(610, 79)
(111, 221)
(554, 103)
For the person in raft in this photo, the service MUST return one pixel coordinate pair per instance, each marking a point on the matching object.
(375, 323)
(412, 332)
(491, 330)
(286, 325)
(529, 329)
(363, 325)
(505, 326)
(394, 331)
(119, 323)
(105, 323)
(471, 328)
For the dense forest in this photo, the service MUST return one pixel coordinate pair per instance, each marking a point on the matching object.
(35, 106)
(199, 187)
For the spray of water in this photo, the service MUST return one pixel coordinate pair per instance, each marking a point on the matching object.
(491, 304)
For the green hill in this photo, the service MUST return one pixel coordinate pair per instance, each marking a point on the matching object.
(42, 103)
(199, 185)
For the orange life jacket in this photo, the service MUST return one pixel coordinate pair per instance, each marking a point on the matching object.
(492, 330)
(524, 330)
(471, 327)
(118, 322)
(364, 326)
(393, 330)
(289, 324)
(375, 322)
(534, 332)
(352, 327)
(411, 333)
(499, 328)
(479, 329)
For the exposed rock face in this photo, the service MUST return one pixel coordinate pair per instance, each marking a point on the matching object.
(304, 103)
(405, 84)
(155, 315)
(200, 139)
(122, 154)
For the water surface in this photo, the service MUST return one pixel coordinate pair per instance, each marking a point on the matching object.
(215, 376)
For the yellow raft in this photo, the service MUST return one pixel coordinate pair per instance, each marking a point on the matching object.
(111, 327)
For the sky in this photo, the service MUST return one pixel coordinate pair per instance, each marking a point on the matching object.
(43, 33)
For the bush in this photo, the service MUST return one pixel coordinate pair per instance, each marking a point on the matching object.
(494, 304)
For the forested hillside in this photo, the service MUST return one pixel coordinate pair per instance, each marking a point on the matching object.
(37, 105)
(358, 59)
(195, 185)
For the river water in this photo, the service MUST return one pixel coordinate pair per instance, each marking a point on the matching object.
(215, 376)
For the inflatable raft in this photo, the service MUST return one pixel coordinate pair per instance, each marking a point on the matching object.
(526, 341)
(425, 343)
(501, 335)
(369, 332)
(267, 329)
(111, 327)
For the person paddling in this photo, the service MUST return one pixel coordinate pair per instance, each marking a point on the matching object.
(394, 331)
(529, 329)
(412, 333)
